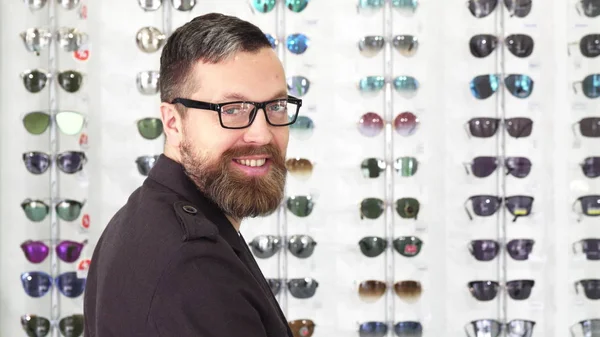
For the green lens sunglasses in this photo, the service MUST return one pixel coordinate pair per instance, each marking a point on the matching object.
(150, 128)
(374, 167)
(372, 208)
(408, 246)
(69, 122)
(66, 209)
(300, 205)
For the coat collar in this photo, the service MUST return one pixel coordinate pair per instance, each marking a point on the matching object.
(171, 174)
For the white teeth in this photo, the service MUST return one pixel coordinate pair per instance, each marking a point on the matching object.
(251, 162)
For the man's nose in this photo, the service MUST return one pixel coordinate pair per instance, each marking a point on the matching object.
(260, 131)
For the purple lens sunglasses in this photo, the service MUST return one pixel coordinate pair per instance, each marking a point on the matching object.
(38, 251)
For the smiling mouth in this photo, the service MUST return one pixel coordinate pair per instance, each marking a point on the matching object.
(251, 162)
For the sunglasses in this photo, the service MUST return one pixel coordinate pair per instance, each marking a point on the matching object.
(407, 86)
(586, 328)
(371, 124)
(39, 4)
(35, 80)
(145, 164)
(484, 166)
(590, 8)
(300, 168)
(589, 45)
(37, 39)
(484, 86)
(590, 206)
(372, 208)
(406, 45)
(69, 122)
(590, 86)
(483, 8)
(487, 290)
(486, 127)
(407, 246)
(150, 39)
(148, 82)
(38, 326)
(371, 6)
(374, 167)
(180, 5)
(300, 205)
(488, 205)
(300, 288)
(69, 162)
(302, 327)
(591, 288)
(266, 6)
(590, 247)
(298, 85)
(67, 251)
(303, 128)
(591, 167)
(38, 283)
(372, 290)
(150, 128)
(380, 329)
(493, 328)
(520, 45)
(66, 209)
(265, 246)
(487, 250)
(588, 127)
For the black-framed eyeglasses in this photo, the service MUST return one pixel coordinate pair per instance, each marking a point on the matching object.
(241, 114)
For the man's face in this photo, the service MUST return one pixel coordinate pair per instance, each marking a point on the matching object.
(242, 171)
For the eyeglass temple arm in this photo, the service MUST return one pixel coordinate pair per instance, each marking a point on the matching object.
(578, 7)
(467, 209)
(466, 126)
(569, 47)
(579, 214)
(575, 251)
(575, 85)
(574, 129)
(467, 165)
(576, 287)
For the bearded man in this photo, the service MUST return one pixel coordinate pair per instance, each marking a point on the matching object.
(172, 262)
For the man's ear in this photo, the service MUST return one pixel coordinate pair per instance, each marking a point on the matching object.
(172, 124)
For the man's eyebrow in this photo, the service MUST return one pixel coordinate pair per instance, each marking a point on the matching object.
(235, 96)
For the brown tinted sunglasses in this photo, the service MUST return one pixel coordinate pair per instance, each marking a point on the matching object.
(372, 290)
(299, 167)
(302, 327)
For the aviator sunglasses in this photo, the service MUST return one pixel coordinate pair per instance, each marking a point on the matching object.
(300, 168)
(371, 124)
(484, 166)
(69, 162)
(66, 209)
(69, 122)
(371, 291)
(266, 246)
(371, 45)
(590, 247)
(487, 250)
(482, 45)
(493, 328)
(266, 6)
(301, 288)
(380, 329)
(405, 85)
(486, 127)
(38, 283)
(591, 288)
(483, 8)
(374, 167)
(372, 208)
(36, 40)
(407, 246)
(487, 290)
(488, 205)
(590, 206)
(35, 80)
(484, 86)
(38, 326)
(66, 250)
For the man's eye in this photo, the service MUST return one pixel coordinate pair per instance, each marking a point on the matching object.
(231, 111)
(277, 107)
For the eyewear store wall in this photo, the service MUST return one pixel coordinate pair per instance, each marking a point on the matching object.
(442, 171)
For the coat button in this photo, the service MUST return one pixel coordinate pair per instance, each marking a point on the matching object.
(190, 209)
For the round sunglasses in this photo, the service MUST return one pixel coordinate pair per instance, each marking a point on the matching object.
(371, 124)
(380, 329)
(38, 326)
(266, 246)
(66, 250)
(37, 283)
(66, 209)
(69, 122)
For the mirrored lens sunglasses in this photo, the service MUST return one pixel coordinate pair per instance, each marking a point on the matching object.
(484, 86)
(68, 162)
(483, 8)
(486, 127)
(69, 122)
(35, 5)
(371, 45)
(590, 86)
(66, 250)
(303, 128)
(371, 124)
(35, 80)
(148, 82)
(406, 7)
(374, 167)
(372, 208)
(145, 164)
(66, 209)
(487, 250)
(405, 85)
(298, 85)
(483, 45)
(266, 6)
(488, 205)
(493, 328)
(37, 284)
(266, 246)
(38, 326)
(484, 166)
(180, 5)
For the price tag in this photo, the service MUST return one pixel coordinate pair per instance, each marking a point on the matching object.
(579, 106)
(537, 306)
(85, 221)
(82, 55)
(83, 10)
(312, 22)
(312, 108)
(83, 266)
(83, 141)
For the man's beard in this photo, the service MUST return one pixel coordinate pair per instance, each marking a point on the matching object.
(236, 194)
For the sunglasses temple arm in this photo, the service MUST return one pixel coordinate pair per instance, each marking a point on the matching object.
(574, 129)
(467, 130)
(467, 210)
(575, 86)
(569, 47)
(467, 165)
(576, 288)
(575, 250)
(576, 212)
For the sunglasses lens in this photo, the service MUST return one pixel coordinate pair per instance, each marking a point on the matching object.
(372, 167)
(518, 167)
(407, 208)
(520, 45)
(590, 127)
(36, 122)
(407, 45)
(70, 122)
(408, 5)
(520, 86)
(302, 128)
(35, 81)
(409, 291)
(407, 86)
(519, 127)
(370, 124)
(36, 283)
(299, 167)
(35, 210)
(150, 128)
(69, 210)
(301, 246)
(298, 85)
(482, 167)
(484, 86)
(70, 285)
(145, 164)
(264, 6)
(483, 290)
(371, 4)
(484, 328)
(371, 208)
(590, 45)
(300, 206)
(483, 127)
(71, 326)
(484, 250)
(482, 8)
(35, 326)
(519, 249)
(70, 80)
(296, 6)
(482, 45)
(297, 43)
(520, 328)
(372, 329)
(591, 248)
(272, 40)
(591, 167)
(370, 46)
(519, 8)
(303, 287)
(408, 329)
(408, 246)
(371, 291)
(519, 205)
(406, 124)
(485, 205)
(69, 251)
(372, 246)
(407, 166)
(302, 328)
(36, 162)
(591, 86)
(520, 289)
(70, 162)
(371, 84)
(150, 5)
(590, 205)
(275, 285)
(591, 288)
(265, 246)
(35, 251)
